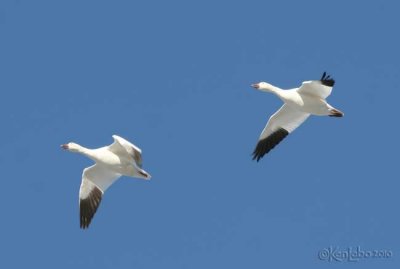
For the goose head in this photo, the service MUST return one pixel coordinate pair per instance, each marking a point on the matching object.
(262, 86)
(71, 146)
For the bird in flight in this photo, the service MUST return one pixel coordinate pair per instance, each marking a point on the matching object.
(121, 158)
(299, 104)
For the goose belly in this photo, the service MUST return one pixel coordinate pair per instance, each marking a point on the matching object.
(110, 160)
(118, 164)
(310, 104)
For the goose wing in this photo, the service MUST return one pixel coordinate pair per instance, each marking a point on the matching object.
(279, 125)
(123, 147)
(95, 181)
(321, 88)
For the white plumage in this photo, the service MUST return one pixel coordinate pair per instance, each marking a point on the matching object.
(299, 103)
(121, 158)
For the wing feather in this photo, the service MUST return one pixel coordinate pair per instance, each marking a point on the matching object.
(321, 88)
(123, 147)
(95, 181)
(279, 125)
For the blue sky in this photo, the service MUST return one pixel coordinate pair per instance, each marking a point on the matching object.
(174, 78)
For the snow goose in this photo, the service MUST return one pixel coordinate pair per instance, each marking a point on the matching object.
(121, 158)
(299, 103)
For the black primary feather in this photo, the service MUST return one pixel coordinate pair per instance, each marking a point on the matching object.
(88, 207)
(266, 144)
(327, 80)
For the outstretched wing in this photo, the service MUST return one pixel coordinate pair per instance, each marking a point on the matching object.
(123, 147)
(321, 88)
(279, 125)
(95, 181)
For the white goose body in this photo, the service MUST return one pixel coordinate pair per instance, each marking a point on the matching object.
(118, 159)
(118, 164)
(299, 104)
(103, 156)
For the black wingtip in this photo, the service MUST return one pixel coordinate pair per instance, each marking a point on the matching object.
(88, 207)
(327, 80)
(266, 144)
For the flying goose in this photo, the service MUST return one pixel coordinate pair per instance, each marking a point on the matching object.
(121, 158)
(299, 103)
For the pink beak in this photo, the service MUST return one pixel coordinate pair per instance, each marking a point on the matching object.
(64, 146)
(255, 85)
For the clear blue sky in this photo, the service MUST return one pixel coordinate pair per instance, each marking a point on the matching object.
(174, 78)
